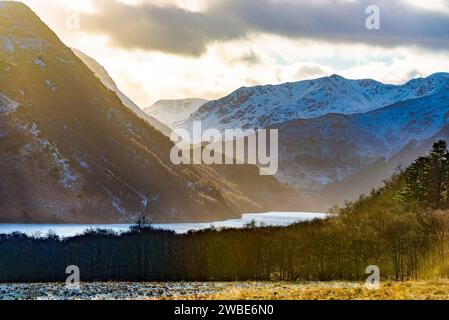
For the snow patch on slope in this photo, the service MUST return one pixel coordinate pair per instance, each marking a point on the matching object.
(6, 44)
(63, 172)
(7, 105)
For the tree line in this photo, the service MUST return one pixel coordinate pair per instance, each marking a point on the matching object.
(403, 228)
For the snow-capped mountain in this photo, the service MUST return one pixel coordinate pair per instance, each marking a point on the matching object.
(264, 106)
(71, 151)
(174, 112)
(332, 129)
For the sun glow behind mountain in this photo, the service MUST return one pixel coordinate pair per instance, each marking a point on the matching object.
(167, 47)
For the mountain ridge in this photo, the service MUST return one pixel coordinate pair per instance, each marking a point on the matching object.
(263, 106)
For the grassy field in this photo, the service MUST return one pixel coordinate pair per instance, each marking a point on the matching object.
(422, 290)
(419, 290)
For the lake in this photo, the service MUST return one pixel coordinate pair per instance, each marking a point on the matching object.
(261, 219)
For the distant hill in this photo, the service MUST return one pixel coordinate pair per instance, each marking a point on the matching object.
(174, 112)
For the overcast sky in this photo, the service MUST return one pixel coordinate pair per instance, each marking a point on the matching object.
(162, 49)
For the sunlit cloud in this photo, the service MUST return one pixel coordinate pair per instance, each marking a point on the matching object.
(172, 29)
(157, 49)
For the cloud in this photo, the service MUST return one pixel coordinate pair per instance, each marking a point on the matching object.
(172, 29)
(310, 71)
(162, 28)
(401, 24)
(250, 57)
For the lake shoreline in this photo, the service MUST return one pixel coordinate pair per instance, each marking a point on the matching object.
(259, 219)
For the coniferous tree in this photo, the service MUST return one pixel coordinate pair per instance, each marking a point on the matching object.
(426, 181)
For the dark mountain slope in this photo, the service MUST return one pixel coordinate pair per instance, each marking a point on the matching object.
(72, 152)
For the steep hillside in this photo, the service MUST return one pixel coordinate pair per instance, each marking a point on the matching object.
(72, 152)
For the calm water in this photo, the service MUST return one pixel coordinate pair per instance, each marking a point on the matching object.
(68, 230)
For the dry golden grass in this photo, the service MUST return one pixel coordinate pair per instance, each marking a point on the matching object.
(416, 290)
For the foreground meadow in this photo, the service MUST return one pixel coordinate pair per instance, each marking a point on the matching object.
(419, 290)
(415, 290)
